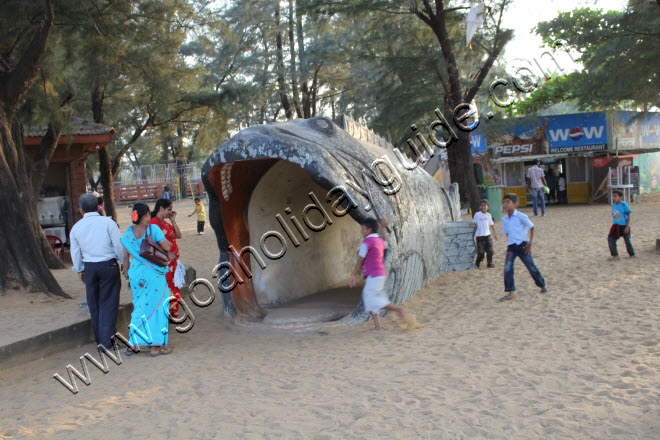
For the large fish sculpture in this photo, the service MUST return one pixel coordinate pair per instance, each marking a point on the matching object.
(286, 201)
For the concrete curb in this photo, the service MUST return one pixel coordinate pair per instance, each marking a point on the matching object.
(71, 336)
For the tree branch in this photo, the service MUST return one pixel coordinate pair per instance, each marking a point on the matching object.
(42, 157)
(18, 81)
(428, 19)
(492, 56)
(136, 135)
(225, 75)
(439, 27)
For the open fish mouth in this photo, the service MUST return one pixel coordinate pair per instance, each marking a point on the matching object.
(286, 201)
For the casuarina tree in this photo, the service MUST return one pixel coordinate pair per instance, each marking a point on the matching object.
(26, 252)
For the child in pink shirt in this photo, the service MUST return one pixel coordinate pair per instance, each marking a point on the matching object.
(370, 261)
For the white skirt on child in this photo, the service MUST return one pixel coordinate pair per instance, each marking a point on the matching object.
(374, 295)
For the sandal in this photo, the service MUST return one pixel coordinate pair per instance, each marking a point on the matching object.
(506, 298)
(162, 351)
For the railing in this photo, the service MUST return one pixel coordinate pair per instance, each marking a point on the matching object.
(152, 191)
(139, 191)
(147, 182)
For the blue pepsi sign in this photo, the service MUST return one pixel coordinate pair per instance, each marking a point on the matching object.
(577, 132)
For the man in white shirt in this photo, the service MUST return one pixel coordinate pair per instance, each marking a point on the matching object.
(95, 250)
(536, 177)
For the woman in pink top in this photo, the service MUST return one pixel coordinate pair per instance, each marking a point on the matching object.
(370, 261)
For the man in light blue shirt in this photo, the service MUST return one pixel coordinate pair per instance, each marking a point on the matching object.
(95, 250)
(515, 225)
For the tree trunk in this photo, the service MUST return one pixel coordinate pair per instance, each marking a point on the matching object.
(460, 153)
(36, 170)
(135, 161)
(332, 105)
(22, 246)
(21, 239)
(106, 177)
(461, 170)
(165, 151)
(116, 162)
(294, 70)
(165, 140)
(281, 83)
(107, 182)
(180, 135)
(94, 184)
(264, 82)
(302, 62)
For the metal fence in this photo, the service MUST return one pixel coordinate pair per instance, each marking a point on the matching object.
(147, 181)
(133, 175)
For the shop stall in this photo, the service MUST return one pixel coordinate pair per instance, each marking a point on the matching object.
(65, 178)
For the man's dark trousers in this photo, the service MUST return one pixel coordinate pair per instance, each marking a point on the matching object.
(103, 283)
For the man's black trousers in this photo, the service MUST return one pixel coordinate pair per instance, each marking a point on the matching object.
(103, 283)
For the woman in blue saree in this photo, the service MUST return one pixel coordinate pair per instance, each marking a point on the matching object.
(151, 296)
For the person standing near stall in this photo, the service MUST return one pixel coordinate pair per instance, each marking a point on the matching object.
(552, 186)
(162, 212)
(536, 177)
(561, 186)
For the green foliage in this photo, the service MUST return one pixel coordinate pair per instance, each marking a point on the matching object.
(131, 53)
(393, 70)
(620, 52)
(199, 70)
(554, 91)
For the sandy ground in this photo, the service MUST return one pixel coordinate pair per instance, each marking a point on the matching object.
(580, 362)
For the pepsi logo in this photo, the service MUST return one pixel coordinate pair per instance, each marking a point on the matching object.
(576, 133)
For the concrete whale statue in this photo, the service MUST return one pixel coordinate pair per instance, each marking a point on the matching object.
(286, 200)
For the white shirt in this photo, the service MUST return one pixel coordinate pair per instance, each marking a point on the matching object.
(535, 175)
(562, 184)
(95, 238)
(516, 227)
(362, 252)
(483, 222)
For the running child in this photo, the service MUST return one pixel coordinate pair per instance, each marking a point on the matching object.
(370, 260)
(515, 225)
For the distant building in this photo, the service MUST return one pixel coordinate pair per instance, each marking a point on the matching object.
(583, 146)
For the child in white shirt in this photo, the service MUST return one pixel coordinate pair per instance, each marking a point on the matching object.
(485, 227)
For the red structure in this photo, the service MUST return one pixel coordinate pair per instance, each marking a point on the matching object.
(66, 174)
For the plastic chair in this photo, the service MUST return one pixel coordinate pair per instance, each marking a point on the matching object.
(54, 240)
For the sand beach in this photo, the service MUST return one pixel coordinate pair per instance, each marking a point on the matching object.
(582, 362)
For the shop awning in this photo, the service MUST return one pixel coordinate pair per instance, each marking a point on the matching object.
(510, 159)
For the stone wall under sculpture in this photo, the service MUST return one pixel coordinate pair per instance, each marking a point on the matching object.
(286, 200)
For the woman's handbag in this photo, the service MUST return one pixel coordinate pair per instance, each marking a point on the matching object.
(151, 251)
